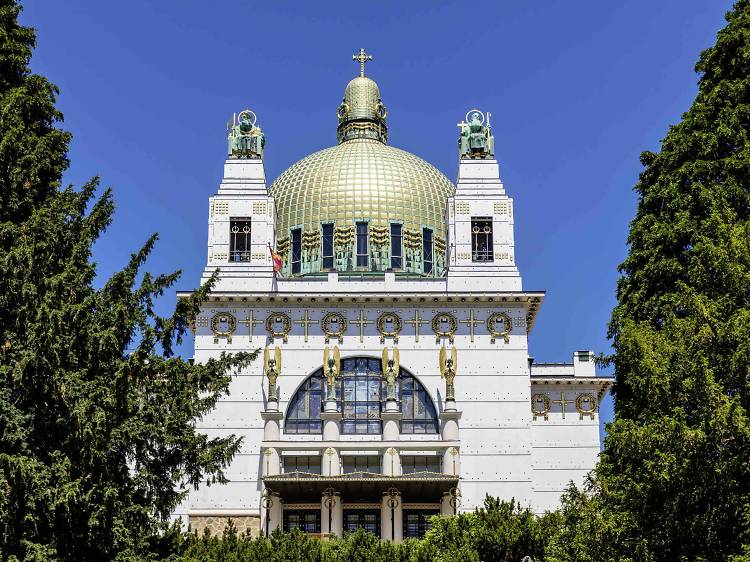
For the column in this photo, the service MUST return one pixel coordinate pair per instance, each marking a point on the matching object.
(450, 502)
(331, 425)
(391, 516)
(331, 462)
(271, 512)
(331, 505)
(449, 424)
(391, 425)
(271, 424)
(271, 462)
(391, 462)
(452, 461)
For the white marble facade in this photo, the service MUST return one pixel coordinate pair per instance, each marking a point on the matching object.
(520, 430)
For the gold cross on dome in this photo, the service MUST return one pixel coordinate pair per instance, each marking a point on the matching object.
(362, 58)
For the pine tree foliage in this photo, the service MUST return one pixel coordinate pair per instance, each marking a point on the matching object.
(97, 442)
(673, 482)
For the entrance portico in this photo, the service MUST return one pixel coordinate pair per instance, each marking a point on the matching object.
(375, 502)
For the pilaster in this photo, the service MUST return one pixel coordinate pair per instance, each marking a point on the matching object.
(391, 516)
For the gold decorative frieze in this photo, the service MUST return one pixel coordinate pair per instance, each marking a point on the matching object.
(389, 325)
(221, 207)
(444, 325)
(334, 326)
(586, 405)
(462, 208)
(499, 325)
(278, 325)
(223, 325)
(259, 207)
(540, 406)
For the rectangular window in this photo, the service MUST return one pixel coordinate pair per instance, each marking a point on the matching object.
(239, 239)
(361, 463)
(327, 253)
(427, 250)
(420, 463)
(307, 521)
(397, 252)
(362, 519)
(363, 245)
(307, 463)
(296, 250)
(417, 522)
(481, 239)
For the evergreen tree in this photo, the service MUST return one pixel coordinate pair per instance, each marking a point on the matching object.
(673, 482)
(97, 444)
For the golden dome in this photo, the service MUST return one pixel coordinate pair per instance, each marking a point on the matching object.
(362, 179)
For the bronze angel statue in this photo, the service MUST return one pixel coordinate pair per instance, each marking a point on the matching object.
(390, 372)
(272, 368)
(331, 370)
(448, 366)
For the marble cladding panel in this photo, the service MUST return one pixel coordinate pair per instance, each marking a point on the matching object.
(232, 495)
(550, 458)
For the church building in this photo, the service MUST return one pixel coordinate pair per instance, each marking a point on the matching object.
(394, 381)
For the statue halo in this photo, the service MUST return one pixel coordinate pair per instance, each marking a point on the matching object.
(474, 111)
(249, 113)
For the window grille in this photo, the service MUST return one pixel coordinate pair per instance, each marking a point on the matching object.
(363, 246)
(397, 251)
(327, 249)
(481, 239)
(296, 250)
(427, 250)
(239, 239)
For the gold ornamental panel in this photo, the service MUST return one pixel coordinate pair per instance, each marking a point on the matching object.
(586, 405)
(389, 325)
(223, 325)
(278, 325)
(499, 325)
(444, 325)
(334, 326)
(540, 406)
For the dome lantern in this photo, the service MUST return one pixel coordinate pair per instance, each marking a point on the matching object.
(362, 114)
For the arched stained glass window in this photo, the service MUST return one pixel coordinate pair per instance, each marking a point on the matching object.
(360, 391)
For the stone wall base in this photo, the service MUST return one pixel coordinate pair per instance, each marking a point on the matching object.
(216, 523)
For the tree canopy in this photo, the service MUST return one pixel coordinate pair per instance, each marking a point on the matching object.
(97, 442)
(673, 482)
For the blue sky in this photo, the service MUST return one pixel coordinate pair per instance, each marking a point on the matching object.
(577, 90)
